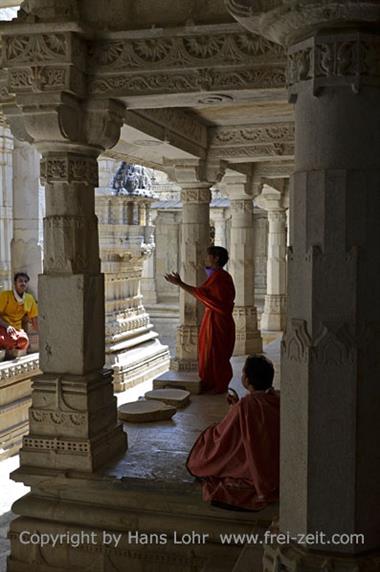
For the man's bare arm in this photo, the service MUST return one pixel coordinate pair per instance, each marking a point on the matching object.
(174, 278)
(35, 323)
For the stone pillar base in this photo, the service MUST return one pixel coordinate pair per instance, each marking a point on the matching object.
(248, 337)
(73, 423)
(274, 316)
(294, 558)
(186, 348)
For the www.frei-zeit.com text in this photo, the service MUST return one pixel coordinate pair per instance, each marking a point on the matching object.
(76, 539)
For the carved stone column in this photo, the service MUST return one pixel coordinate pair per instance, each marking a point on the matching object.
(330, 464)
(26, 249)
(274, 315)
(240, 189)
(195, 239)
(73, 417)
(148, 278)
(219, 221)
(6, 215)
(248, 338)
(194, 242)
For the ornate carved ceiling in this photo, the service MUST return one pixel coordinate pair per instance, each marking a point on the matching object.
(195, 84)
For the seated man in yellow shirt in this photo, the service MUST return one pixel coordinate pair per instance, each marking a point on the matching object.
(15, 306)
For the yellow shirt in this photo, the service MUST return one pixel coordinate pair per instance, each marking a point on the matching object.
(12, 312)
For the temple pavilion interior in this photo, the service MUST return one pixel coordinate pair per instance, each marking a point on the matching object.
(133, 135)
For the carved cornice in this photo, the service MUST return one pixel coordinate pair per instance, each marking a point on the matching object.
(187, 81)
(253, 152)
(243, 135)
(254, 141)
(203, 49)
(45, 62)
(344, 59)
(183, 63)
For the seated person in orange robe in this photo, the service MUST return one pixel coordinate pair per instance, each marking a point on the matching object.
(217, 332)
(15, 306)
(237, 459)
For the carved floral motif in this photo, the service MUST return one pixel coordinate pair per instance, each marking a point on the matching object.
(130, 54)
(348, 59)
(35, 48)
(242, 135)
(188, 81)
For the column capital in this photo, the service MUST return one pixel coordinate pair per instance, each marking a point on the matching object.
(242, 205)
(280, 22)
(45, 99)
(195, 173)
(273, 197)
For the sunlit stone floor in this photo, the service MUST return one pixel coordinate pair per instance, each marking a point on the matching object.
(156, 450)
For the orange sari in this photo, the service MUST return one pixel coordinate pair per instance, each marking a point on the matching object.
(238, 458)
(217, 331)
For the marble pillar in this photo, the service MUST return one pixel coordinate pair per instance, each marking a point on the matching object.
(6, 202)
(241, 266)
(219, 222)
(148, 278)
(274, 315)
(195, 239)
(330, 422)
(26, 250)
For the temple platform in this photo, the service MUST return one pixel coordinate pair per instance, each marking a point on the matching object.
(146, 492)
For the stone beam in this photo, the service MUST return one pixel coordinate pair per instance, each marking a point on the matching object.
(171, 126)
(208, 59)
(252, 142)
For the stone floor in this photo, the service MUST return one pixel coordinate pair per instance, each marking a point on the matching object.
(156, 450)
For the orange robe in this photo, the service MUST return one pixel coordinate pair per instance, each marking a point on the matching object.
(217, 331)
(238, 458)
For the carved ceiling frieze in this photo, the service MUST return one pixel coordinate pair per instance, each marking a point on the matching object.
(254, 142)
(187, 81)
(241, 135)
(253, 152)
(184, 51)
(184, 63)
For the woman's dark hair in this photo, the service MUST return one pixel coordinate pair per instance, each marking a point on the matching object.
(259, 371)
(19, 274)
(220, 252)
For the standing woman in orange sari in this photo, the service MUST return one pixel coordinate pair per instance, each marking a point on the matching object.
(217, 332)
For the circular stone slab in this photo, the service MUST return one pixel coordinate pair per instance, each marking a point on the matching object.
(145, 411)
(177, 397)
